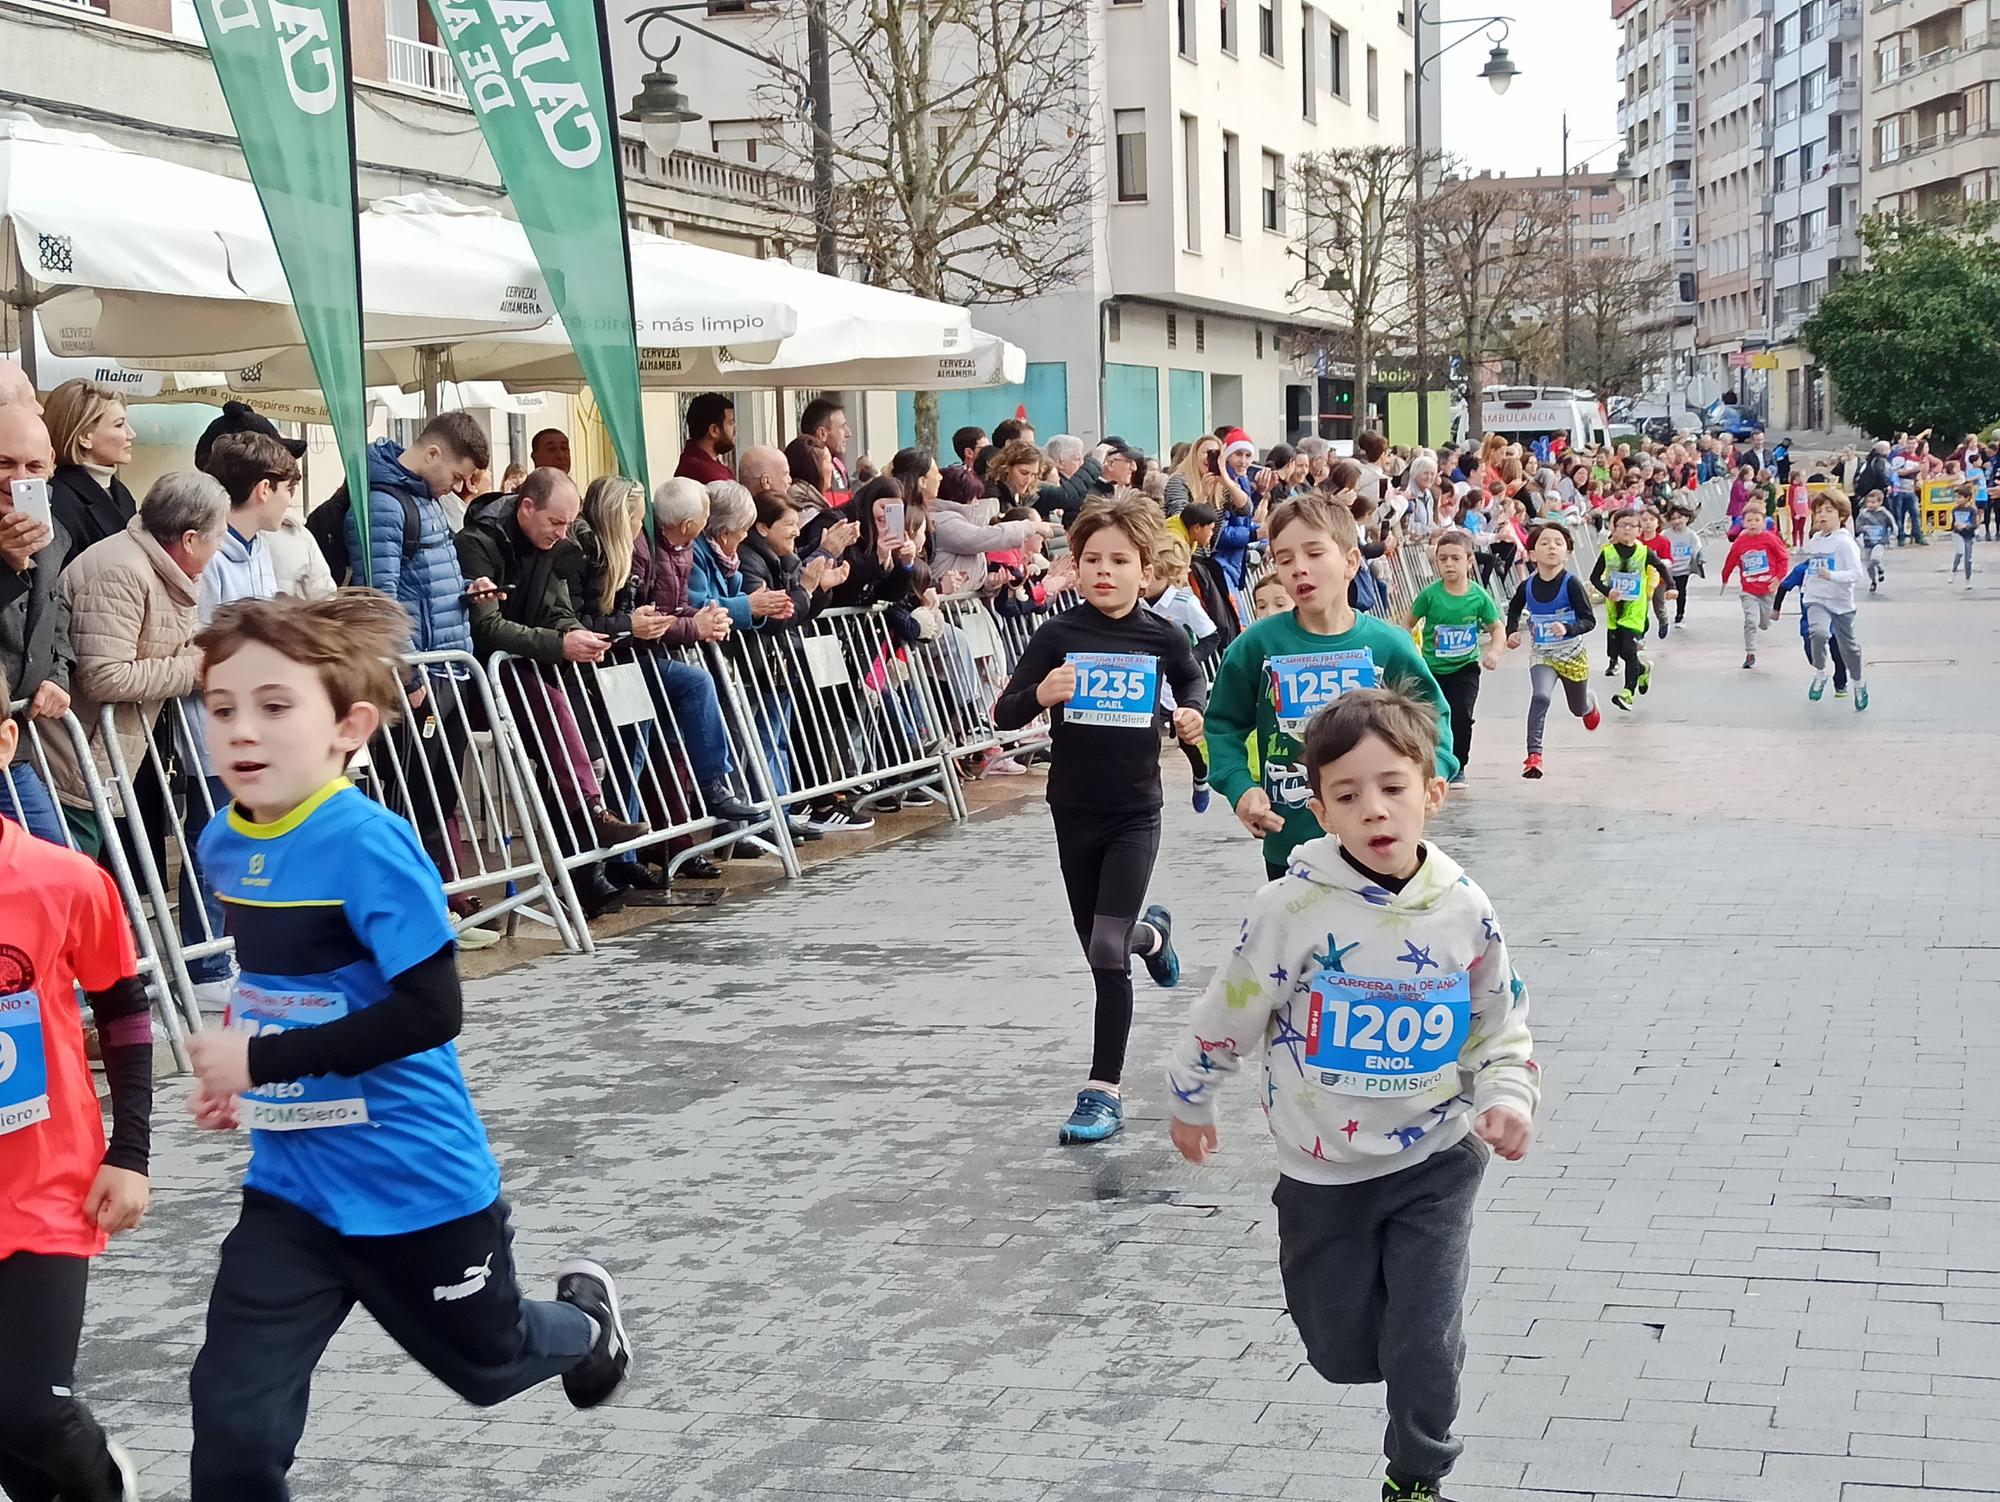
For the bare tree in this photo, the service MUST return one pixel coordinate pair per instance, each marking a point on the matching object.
(1618, 338)
(1352, 205)
(1494, 250)
(964, 140)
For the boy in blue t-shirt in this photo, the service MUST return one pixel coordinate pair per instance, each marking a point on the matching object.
(370, 1179)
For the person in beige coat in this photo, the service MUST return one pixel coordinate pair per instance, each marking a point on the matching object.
(133, 621)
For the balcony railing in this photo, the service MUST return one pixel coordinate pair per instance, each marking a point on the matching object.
(715, 177)
(1895, 70)
(419, 65)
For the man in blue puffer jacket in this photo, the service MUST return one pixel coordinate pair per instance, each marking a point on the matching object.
(422, 575)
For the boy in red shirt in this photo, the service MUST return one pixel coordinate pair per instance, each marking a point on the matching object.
(62, 1191)
(1760, 558)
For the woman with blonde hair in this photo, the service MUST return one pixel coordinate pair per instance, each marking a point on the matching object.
(614, 511)
(1198, 478)
(92, 439)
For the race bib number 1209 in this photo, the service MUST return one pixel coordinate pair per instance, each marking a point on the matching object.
(1304, 683)
(1112, 688)
(1394, 1036)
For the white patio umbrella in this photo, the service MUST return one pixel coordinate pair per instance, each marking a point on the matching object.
(991, 361)
(160, 260)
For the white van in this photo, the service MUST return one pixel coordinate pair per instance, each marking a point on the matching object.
(1526, 413)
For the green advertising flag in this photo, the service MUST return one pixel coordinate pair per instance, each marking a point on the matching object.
(536, 71)
(284, 71)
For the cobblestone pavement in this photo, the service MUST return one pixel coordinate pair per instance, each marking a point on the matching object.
(1755, 1255)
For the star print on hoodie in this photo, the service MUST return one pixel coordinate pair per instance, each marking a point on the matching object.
(1325, 915)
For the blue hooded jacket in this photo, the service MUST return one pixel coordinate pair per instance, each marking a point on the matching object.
(430, 586)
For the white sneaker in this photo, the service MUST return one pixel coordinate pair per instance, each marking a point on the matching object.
(472, 936)
(128, 1473)
(212, 996)
(1004, 766)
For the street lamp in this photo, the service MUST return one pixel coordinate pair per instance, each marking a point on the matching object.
(660, 109)
(1500, 72)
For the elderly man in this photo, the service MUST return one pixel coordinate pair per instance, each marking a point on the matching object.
(35, 652)
(512, 540)
(764, 471)
(1080, 477)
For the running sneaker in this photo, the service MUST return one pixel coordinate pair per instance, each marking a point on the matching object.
(1593, 716)
(1164, 965)
(1456, 780)
(1840, 691)
(1004, 766)
(128, 1473)
(1622, 700)
(1860, 697)
(836, 819)
(587, 1286)
(1645, 676)
(1413, 1491)
(1611, 670)
(1201, 792)
(1532, 767)
(1818, 689)
(1749, 659)
(1098, 1114)
(1663, 630)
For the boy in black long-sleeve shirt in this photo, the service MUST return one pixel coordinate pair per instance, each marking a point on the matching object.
(1097, 669)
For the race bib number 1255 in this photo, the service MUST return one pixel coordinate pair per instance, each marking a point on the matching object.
(1304, 683)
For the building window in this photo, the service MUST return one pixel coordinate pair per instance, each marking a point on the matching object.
(1308, 65)
(1600, 218)
(1781, 171)
(1683, 116)
(1781, 34)
(1184, 27)
(1812, 90)
(1200, 335)
(1173, 331)
(1600, 191)
(1274, 191)
(1130, 127)
(738, 140)
(1260, 344)
(1267, 30)
(1336, 61)
(1374, 85)
(1190, 183)
(1229, 27)
(1114, 323)
(1232, 177)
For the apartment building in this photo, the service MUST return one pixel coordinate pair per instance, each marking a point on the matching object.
(137, 73)
(1656, 76)
(1932, 82)
(1184, 318)
(1733, 140)
(1816, 199)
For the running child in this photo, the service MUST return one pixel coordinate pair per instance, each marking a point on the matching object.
(1098, 668)
(1759, 560)
(63, 1192)
(1624, 576)
(1965, 527)
(1284, 668)
(1875, 526)
(1559, 618)
(1654, 536)
(1791, 582)
(1168, 596)
(1373, 936)
(370, 1179)
(1683, 554)
(1833, 568)
(1448, 615)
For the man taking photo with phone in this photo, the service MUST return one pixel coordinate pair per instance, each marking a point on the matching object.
(35, 652)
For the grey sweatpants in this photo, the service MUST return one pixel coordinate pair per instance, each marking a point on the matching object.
(1821, 622)
(1543, 680)
(1375, 1278)
(1756, 617)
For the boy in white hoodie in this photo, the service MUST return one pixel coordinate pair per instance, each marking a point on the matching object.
(1833, 568)
(1397, 1053)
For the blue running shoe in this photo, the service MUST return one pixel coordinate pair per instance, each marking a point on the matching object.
(1165, 966)
(1097, 1115)
(1201, 797)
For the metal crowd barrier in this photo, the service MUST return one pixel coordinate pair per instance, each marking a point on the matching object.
(978, 653)
(173, 999)
(842, 704)
(609, 734)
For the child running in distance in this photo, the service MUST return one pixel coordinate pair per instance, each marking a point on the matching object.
(1684, 555)
(1269, 598)
(63, 1191)
(1876, 525)
(1098, 668)
(1833, 568)
(1759, 558)
(1449, 615)
(1168, 596)
(1791, 582)
(1665, 589)
(1557, 607)
(370, 1178)
(1397, 1058)
(1624, 576)
(1965, 527)
(1283, 669)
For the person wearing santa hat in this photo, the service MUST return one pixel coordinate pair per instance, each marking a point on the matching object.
(1238, 454)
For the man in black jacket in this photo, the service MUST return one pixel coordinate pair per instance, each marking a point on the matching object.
(35, 652)
(514, 541)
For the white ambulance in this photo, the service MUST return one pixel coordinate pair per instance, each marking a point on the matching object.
(1527, 413)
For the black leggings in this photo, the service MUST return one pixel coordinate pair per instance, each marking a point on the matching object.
(50, 1446)
(1461, 691)
(1107, 860)
(1624, 643)
(1681, 583)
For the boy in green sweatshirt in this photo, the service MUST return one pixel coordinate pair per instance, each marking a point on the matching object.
(1287, 666)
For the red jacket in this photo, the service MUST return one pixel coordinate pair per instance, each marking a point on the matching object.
(1777, 562)
(698, 464)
